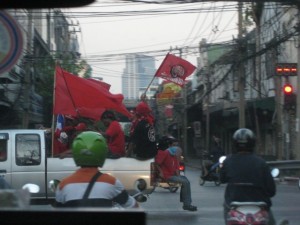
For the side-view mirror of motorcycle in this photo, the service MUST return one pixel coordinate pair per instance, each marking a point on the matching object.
(140, 186)
(275, 172)
(32, 188)
(53, 184)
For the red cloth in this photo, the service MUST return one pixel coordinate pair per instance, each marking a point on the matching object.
(115, 138)
(175, 69)
(77, 96)
(143, 112)
(101, 83)
(168, 163)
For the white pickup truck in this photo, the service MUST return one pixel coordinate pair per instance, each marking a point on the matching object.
(25, 157)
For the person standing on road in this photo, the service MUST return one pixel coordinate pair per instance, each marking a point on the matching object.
(168, 167)
(88, 187)
(248, 176)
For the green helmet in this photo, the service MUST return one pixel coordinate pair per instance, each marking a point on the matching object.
(89, 148)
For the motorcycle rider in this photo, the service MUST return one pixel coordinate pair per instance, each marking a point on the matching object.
(247, 175)
(168, 167)
(89, 150)
(214, 156)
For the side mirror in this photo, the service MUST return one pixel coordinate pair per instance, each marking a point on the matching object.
(141, 198)
(53, 184)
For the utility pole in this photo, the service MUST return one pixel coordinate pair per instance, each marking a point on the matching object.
(27, 76)
(297, 128)
(241, 75)
(184, 125)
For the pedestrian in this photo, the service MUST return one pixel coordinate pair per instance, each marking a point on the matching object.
(142, 143)
(247, 175)
(88, 187)
(168, 167)
(114, 135)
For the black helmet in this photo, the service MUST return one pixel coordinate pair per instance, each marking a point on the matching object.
(165, 141)
(244, 139)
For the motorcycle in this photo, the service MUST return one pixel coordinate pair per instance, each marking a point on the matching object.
(213, 174)
(249, 213)
(171, 186)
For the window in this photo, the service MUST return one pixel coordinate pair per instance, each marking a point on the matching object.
(3, 150)
(28, 151)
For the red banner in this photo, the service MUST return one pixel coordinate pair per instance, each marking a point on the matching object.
(77, 96)
(175, 69)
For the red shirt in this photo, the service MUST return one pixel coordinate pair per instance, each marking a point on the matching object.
(168, 163)
(115, 138)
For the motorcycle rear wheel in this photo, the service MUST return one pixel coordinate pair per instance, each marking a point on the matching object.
(217, 182)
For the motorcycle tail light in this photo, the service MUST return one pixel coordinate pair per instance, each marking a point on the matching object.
(235, 217)
(181, 167)
(262, 217)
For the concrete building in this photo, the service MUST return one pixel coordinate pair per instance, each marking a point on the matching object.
(47, 35)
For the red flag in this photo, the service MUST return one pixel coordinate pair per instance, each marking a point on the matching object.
(77, 96)
(101, 83)
(175, 69)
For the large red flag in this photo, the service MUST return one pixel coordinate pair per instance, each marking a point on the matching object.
(100, 83)
(77, 96)
(175, 69)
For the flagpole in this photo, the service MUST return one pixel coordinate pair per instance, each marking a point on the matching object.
(155, 74)
(149, 85)
(53, 116)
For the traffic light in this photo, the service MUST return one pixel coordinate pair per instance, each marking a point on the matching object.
(286, 69)
(289, 97)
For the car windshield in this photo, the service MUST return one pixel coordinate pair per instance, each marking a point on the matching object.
(170, 87)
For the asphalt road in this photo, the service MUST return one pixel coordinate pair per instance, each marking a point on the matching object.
(164, 207)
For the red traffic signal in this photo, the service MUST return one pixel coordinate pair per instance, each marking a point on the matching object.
(288, 89)
(286, 69)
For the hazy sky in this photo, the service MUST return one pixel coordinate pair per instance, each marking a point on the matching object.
(111, 29)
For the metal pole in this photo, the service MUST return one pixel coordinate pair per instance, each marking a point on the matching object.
(27, 76)
(241, 71)
(297, 150)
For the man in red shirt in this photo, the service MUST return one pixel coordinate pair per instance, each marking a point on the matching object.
(114, 135)
(168, 166)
